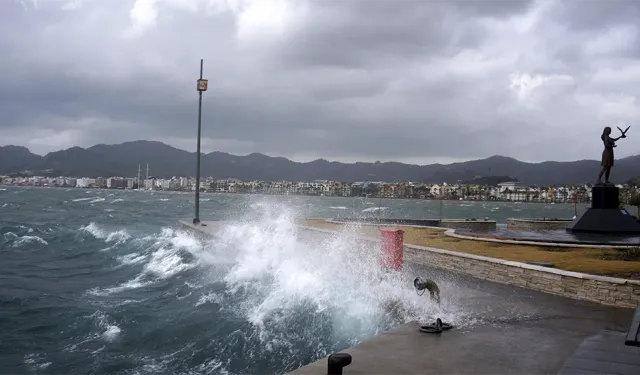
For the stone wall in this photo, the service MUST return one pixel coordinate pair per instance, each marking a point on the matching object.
(600, 289)
(475, 225)
(604, 290)
(533, 225)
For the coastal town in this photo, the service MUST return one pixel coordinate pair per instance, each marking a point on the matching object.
(505, 191)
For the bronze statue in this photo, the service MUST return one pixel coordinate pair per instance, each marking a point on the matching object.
(607, 154)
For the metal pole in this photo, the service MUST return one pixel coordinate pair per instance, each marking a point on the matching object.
(196, 219)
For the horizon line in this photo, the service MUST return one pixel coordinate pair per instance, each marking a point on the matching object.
(317, 159)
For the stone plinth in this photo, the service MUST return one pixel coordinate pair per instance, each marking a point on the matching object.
(605, 196)
(605, 215)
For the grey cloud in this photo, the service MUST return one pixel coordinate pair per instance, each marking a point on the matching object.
(593, 15)
(373, 33)
(388, 80)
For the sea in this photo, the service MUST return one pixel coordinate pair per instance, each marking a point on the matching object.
(109, 282)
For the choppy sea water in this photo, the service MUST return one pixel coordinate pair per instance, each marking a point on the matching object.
(107, 282)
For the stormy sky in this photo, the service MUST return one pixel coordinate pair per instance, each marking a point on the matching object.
(415, 81)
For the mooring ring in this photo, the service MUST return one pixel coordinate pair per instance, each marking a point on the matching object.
(443, 327)
(430, 328)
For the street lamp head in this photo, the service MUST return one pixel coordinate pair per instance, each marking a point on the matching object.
(203, 84)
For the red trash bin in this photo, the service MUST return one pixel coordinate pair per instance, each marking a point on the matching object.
(392, 248)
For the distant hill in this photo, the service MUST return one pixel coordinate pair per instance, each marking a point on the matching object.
(14, 158)
(490, 180)
(166, 161)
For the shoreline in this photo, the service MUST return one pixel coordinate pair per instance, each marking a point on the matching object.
(301, 195)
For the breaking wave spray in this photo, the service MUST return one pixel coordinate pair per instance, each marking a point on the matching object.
(271, 295)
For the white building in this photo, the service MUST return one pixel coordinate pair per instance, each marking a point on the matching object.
(85, 182)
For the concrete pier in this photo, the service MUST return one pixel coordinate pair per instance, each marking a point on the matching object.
(502, 329)
(517, 332)
(207, 227)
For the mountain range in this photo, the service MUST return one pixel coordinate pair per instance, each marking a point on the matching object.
(166, 161)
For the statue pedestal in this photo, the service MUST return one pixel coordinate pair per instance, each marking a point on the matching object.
(605, 215)
(605, 197)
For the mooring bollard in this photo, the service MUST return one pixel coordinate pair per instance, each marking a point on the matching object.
(337, 362)
(392, 248)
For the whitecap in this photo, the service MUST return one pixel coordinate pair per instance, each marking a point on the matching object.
(24, 240)
(373, 209)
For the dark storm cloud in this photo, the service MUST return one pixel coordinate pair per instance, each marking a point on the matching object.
(358, 79)
(365, 33)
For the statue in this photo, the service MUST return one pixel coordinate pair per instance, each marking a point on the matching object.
(607, 154)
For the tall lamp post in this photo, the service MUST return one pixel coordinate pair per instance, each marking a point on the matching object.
(202, 86)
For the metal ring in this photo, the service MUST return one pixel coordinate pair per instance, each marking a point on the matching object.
(444, 327)
(430, 328)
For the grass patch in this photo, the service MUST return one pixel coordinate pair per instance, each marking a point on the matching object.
(555, 249)
(627, 254)
(495, 244)
(587, 260)
(451, 239)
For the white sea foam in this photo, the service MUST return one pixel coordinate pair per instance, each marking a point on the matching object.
(9, 236)
(133, 258)
(374, 209)
(83, 199)
(135, 283)
(104, 332)
(26, 240)
(212, 366)
(209, 298)
(36, 361)
(116, 237)
(163, 256)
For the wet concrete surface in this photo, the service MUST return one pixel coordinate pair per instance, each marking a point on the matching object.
(603, 354)
(500, 329)
(515, 331)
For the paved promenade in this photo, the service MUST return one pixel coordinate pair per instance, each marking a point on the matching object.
(516, 331)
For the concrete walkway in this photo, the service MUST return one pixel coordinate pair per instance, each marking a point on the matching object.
(603, 354)
(516, 331)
